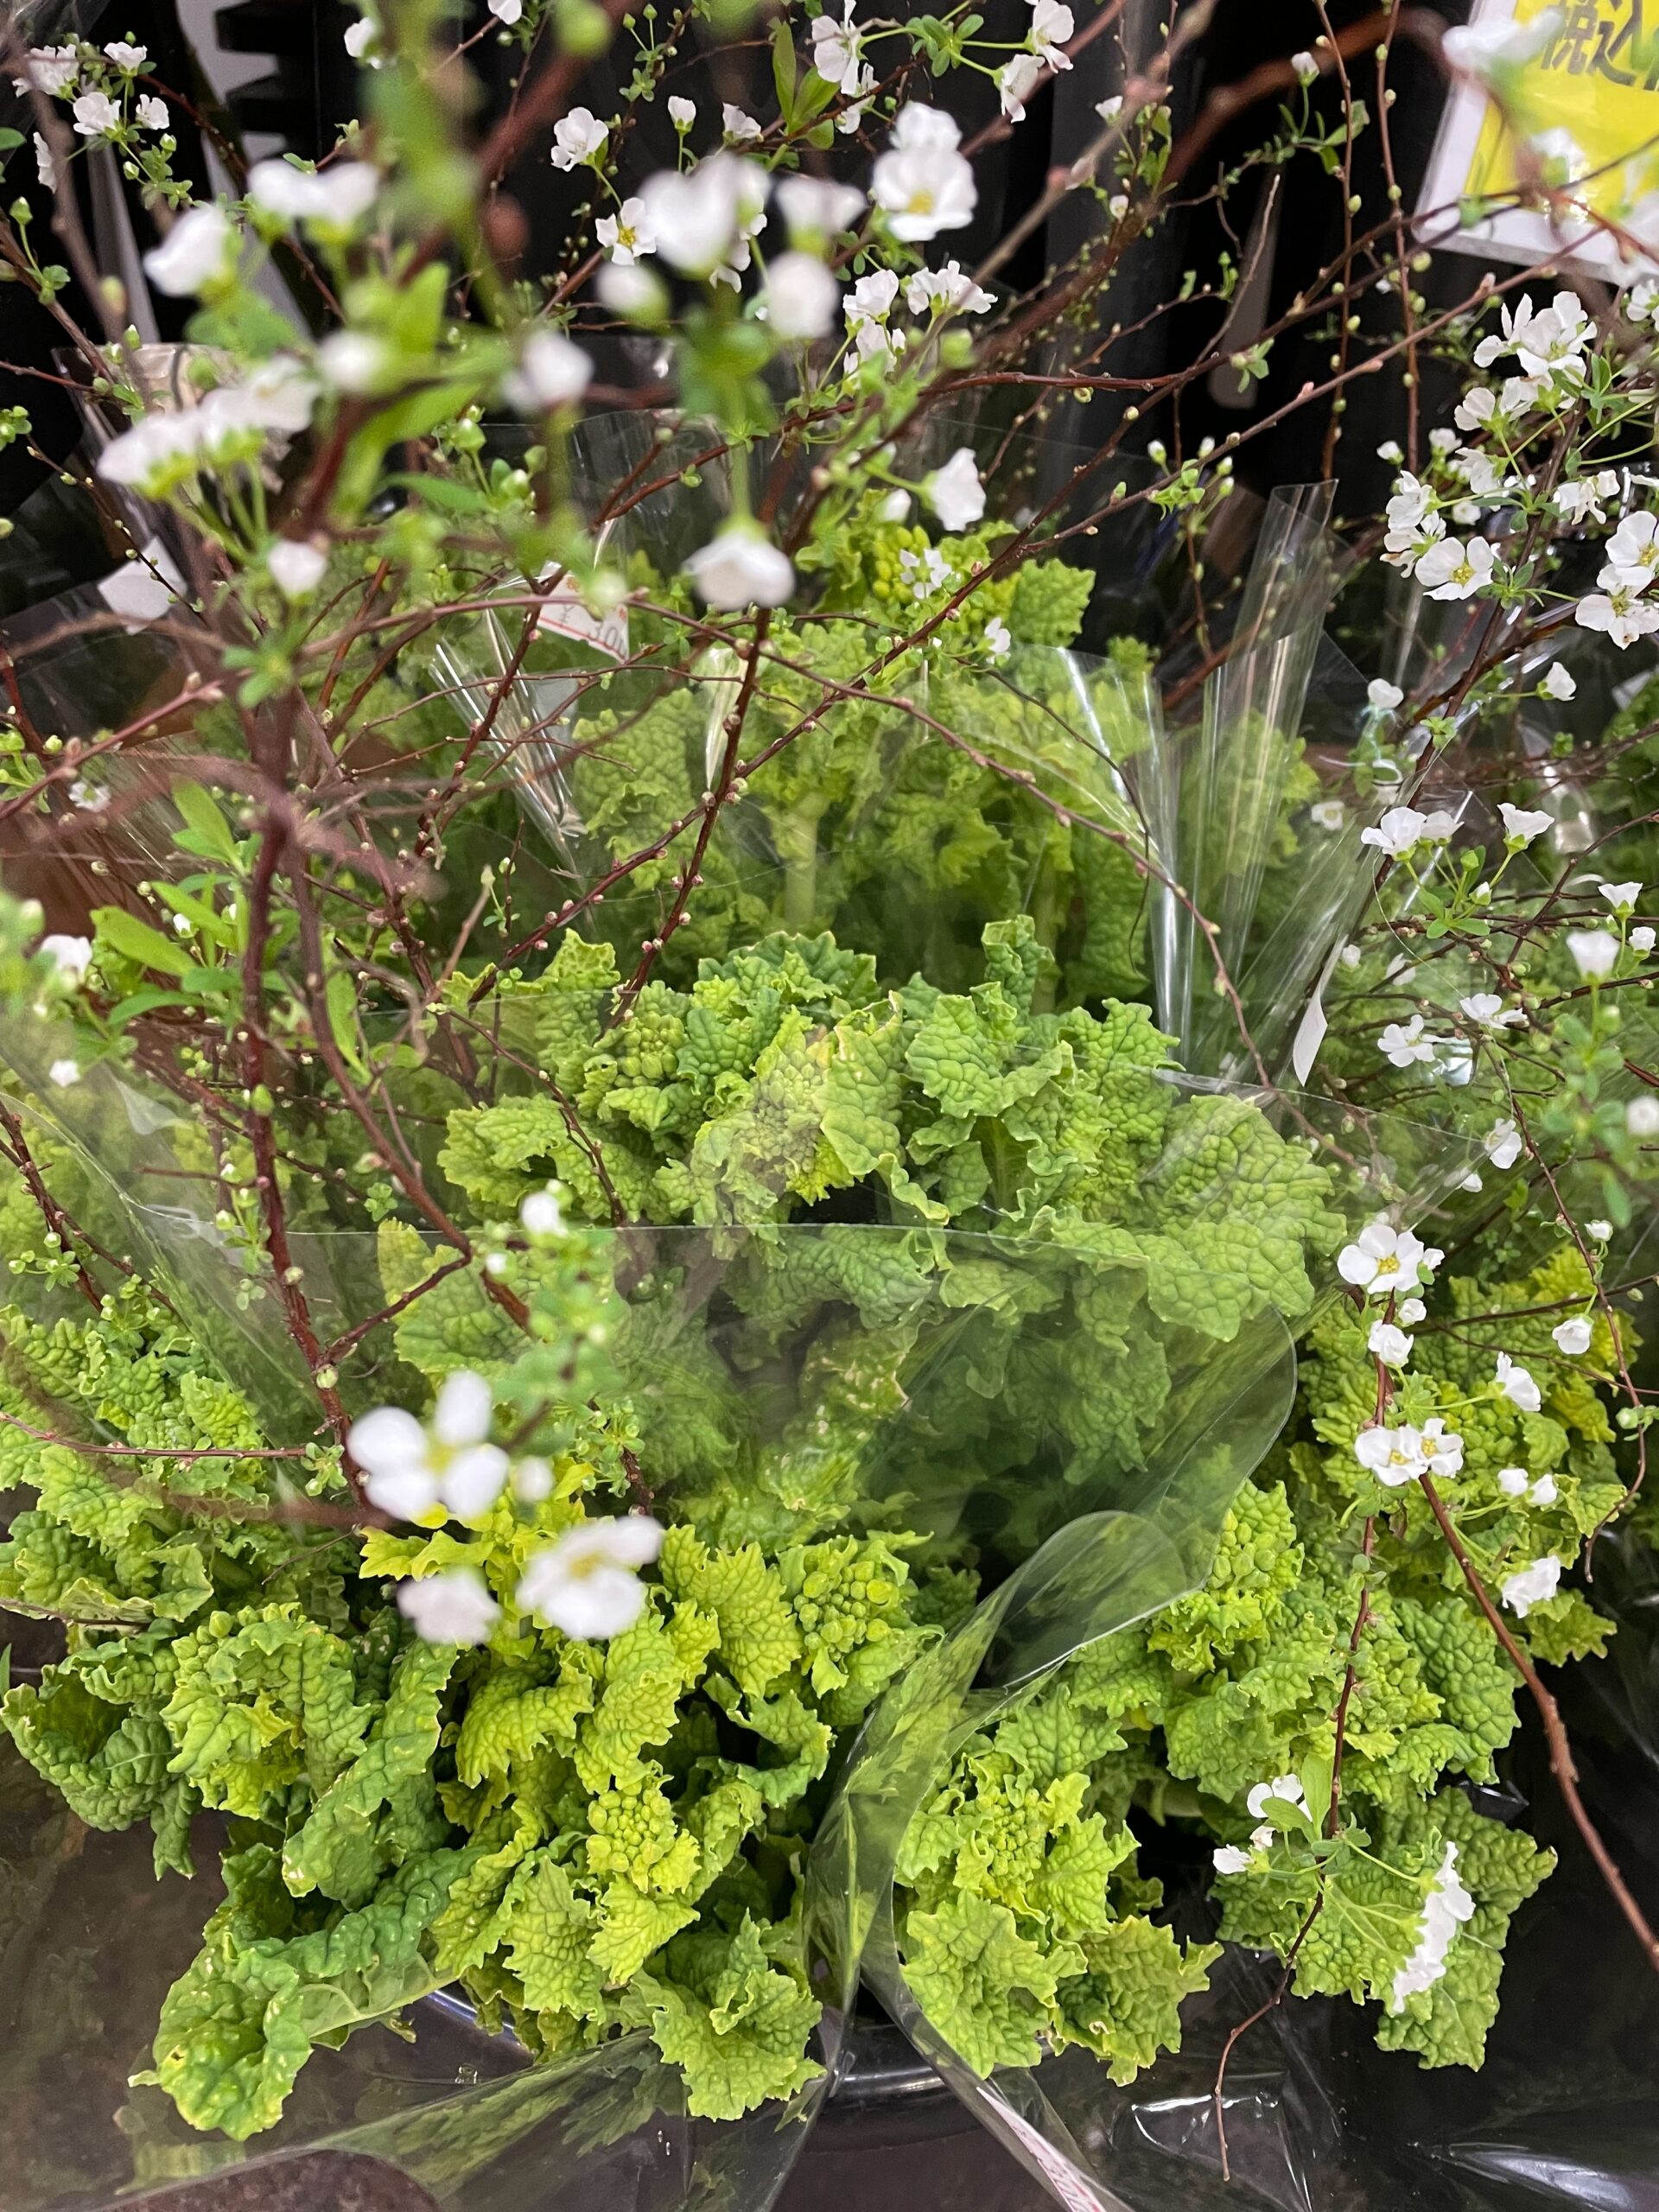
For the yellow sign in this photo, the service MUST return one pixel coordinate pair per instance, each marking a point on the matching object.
(1578, 83)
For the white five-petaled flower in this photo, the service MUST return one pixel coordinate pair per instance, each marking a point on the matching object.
(339, 196)
(1572, 1336)
(296, 566)
(551, 372)
(800, 296)
(1016, 82)
(955, 491)
(1517, 1384)
(49, 69)
(1618, 613)
(1621, 897)
(1632, 553)
(737, 125)
(541, 1215)
(127, 58)
(361, 39)
(1384, 1260)
(1643, 939)
(1395, 1456)
(998, 642)
(1051, 24)
(1546, 341)
(453, 1607)
(149, 112)
(1594, 952)
(507, 11)
(627, 234)
(1454, 568)
(1404, 1044)
(72, 954)
(1286, 1789)
(836, 50)
(1389, 1344)
(1487, 1009)
(923, 182)
(1532, 1586)
(1232, 1858)
(1502, 1144)
(577, 137)
(741, 567)
(64, 1072)
(1583, 497)
(192, 253)
(411, 1468)
(1383, 696)
(1403, 827)
(949, 290)
(96, 115)
(1522, 825)
(587, 1584)
(1446, 1909)
(701, 219)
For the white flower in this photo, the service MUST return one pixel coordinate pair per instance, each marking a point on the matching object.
(507, 12)
(1517, 1385)
(341, 195)
(1441, 1452)
(814, 207)
(1391, 1345)
(1408, 508)
(1263, 1838)
(1403, 1043)
(1327, 813)
(1231, 1860)
(411, 1469)
(64, 1072)
(453, 1607)
(1641, 1115)
(96, 115)
(1502, 1144)
(577, 137)
(800, 296)
(871, 299)
(1384, 1260)
(1594, 952)
(1618, 613)
(741, 568)
(1475, 407)
(1632, 553)
(1488, 1010)
(1306, 66)
(1383, 696)
(1513, 1481)
(1016, 82)
(49, 69)
(1598, 1231)
(551, 372)
(1412, 1311)
(1642, 940)
(73, 955)
(361, 38)
(736, 124)
(541, 1214)
(682, 113)
(1446, 1909)
(1543, 1492)
(1532, 1586)
(923, 181)
(1571, 1337)
(1558, 683)
(950, 289)
(1455, 568)
(1403, 827)
(128, 59)
(1395, 1456)
(587, 1584)
(1621, 897)
(896, 507)
(834, 50)
(627, 234)
(955, 492)
(632, 291)
(87, 797)
(1051, 24)
(1477, 48)
(354, 360)
(192, 253)
(1389, 450)
(1522, 825)
(1584, 496)
(1547, 342)
(46, 168)
(1286, 1788)
(149, 112)
(998, 642)
(1562, 158)
(698, 219)
(297, 566)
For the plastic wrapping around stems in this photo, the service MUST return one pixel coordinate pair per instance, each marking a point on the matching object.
(1233, 773)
